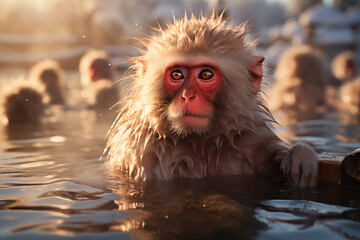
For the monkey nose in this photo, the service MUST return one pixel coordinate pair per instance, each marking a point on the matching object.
(187, 96)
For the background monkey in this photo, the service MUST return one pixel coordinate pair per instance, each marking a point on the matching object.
(196, 110)
(93, 66)
(21, 103)
(300, 82)
(97, 78)
(343, 65)
(49, 76)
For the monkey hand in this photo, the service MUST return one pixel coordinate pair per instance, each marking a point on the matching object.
(300, 165)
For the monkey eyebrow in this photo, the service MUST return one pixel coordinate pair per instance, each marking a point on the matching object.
(195, 63)
(178, 66)
(208, 66)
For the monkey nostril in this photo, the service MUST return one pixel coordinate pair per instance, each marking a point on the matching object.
(188, 97)
(183, 96)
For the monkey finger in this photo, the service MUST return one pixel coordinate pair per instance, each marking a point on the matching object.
(295, 175)
(309, 174)
(296, 170)
(285, 165)
(304, 179)
(313, 179)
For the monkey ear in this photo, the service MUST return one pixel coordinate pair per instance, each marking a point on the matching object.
(256, 72)
(141, 67)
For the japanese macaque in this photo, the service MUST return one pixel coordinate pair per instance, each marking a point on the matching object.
(343, 66)
(97, 80)
(48, 75)
(196, 110)
(95, 65)
(300, 82)
(21, 103)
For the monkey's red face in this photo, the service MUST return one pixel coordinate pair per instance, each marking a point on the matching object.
(193, 89)
(94, 72)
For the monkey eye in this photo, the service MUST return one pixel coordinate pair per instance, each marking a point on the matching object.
(206, 74)
(177, 75)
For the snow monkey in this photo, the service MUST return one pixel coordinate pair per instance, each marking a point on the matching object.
(97, 78)
(95, 65)
(21, 103)
(343, 65)
(49, 77)
(300, 81)
(196, 109)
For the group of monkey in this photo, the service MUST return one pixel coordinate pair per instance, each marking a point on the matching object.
(195, 107)
(25, 100)
(303, 86)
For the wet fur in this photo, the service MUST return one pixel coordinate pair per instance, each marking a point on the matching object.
(144, 143)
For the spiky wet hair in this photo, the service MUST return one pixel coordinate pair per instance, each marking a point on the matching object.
(186, 40)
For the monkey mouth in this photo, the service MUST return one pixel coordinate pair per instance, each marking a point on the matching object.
(189, 114)
(195, 121)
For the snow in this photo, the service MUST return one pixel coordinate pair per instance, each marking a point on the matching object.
(323, 15)
(337, 36)
(331, 28)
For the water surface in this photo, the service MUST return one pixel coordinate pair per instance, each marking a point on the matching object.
(53, 186)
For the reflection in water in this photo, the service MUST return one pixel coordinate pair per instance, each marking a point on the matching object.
(53, 184)
(185, 209)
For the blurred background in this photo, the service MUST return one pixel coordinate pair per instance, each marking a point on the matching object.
(64, 31)
(31, 31)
